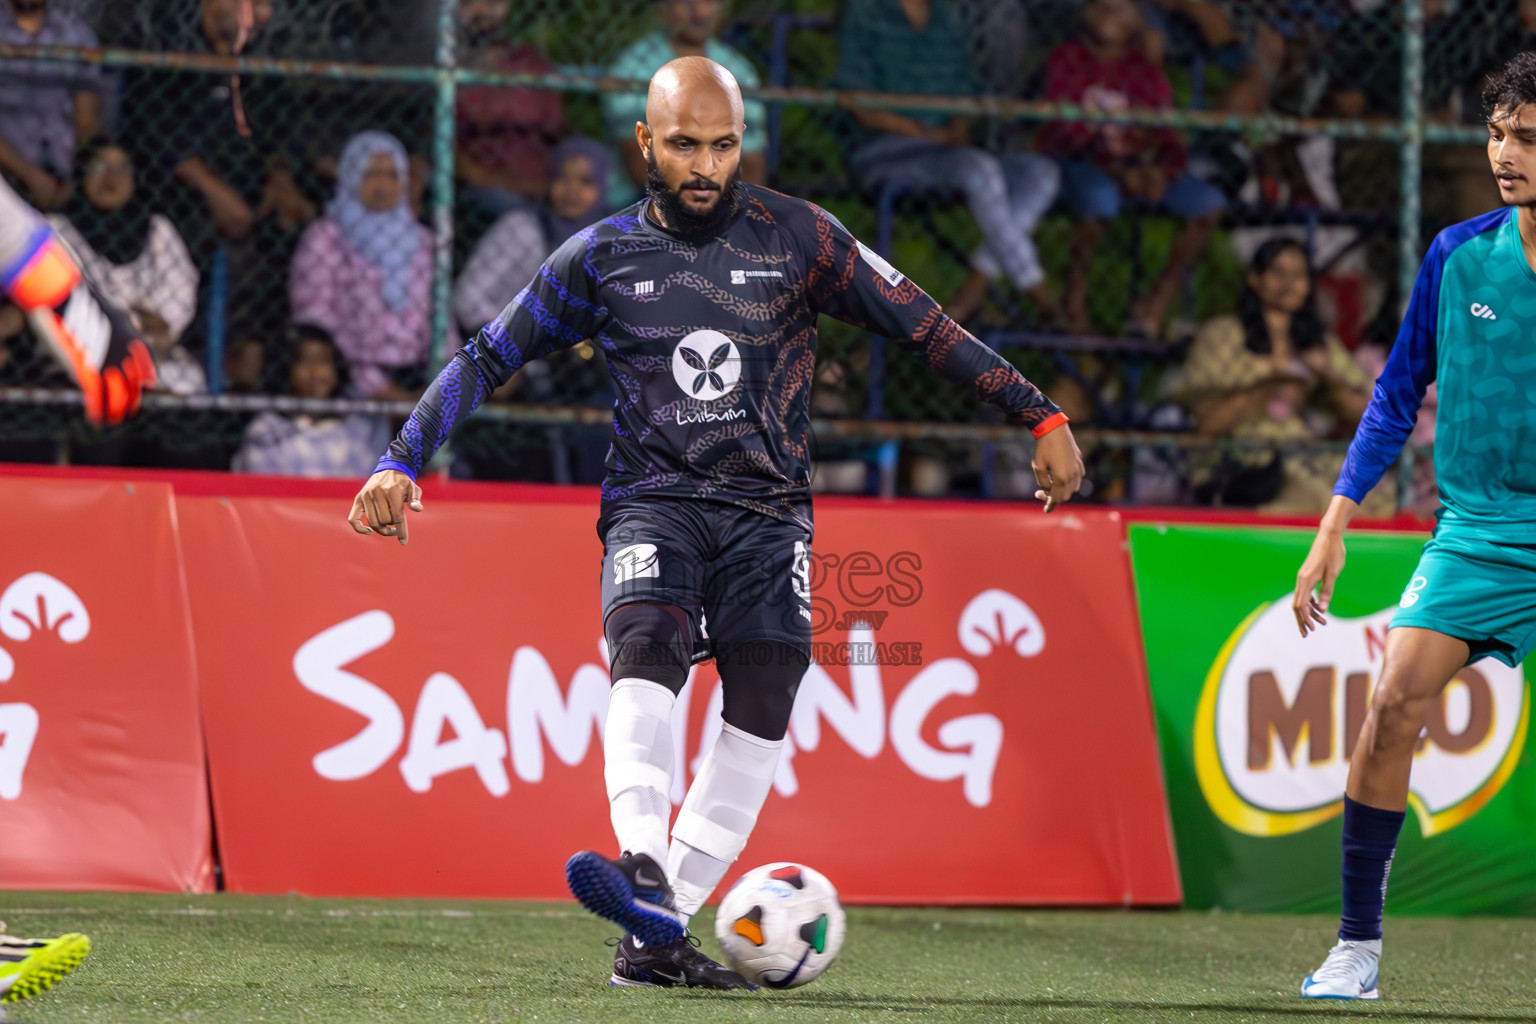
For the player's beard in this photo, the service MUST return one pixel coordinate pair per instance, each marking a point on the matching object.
(693, 226)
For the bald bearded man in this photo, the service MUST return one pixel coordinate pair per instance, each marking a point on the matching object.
(704, 298)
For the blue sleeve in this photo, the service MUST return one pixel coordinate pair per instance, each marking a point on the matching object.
(1394, 408)
(558, 309)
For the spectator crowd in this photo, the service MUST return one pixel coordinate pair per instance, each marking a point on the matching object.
(269, 234)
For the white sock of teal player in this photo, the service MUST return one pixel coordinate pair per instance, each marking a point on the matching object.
(637, 765)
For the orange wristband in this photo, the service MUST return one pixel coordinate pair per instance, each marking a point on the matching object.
(1049, 424)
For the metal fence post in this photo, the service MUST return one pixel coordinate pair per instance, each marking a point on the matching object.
(1411, 159)
(1411, 148)
(218, 319)
(442, 181)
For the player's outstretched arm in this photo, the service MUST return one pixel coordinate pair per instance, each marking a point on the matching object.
(856, 285)
(380, 507)
(1318, 574)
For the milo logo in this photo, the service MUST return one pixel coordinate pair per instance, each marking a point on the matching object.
(1279, 715)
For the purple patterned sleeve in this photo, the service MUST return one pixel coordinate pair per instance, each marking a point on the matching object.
(558, 309)
(853, 283)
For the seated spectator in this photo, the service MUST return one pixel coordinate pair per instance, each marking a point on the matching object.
(1104, 69)
(509, 255)
(44, 106)
(1231, 37)
(918, 46)
(308, 445)
(688, 29)
(136, 256)
(999, 32)
(504, 135)
(364, 271)
(1273, 373)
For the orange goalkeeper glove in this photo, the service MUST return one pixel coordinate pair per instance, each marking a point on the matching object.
(93, 339)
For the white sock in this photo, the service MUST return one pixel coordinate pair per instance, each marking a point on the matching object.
(694, 875)
(718, 814)
(637, 765)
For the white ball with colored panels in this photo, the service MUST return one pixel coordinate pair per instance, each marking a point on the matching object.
(781, 925)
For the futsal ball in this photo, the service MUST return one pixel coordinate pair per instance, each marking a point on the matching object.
(781, 925)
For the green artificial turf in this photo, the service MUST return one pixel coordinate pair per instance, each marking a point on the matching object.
(237, 958)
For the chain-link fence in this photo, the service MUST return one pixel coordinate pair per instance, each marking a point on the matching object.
(316, 199)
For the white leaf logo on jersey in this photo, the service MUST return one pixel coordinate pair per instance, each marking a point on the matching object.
(706, 365)
(1482, 312)
(635, 561)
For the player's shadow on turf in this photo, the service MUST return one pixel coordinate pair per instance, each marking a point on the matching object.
(1378, 1012)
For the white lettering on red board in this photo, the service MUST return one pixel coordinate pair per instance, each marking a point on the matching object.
(568, 721)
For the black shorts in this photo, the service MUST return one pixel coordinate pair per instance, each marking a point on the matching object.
(740, 576)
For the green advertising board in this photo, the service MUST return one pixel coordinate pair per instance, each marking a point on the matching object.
(1255, 724)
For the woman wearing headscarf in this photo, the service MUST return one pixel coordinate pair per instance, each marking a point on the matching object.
(509, 255)
(364, 271)
(136, 257)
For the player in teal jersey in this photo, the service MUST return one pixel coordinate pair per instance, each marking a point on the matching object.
(1470, 329)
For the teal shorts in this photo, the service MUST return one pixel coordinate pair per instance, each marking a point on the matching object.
(1475, 590)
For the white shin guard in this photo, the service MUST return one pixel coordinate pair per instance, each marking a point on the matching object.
(637, 765)
(718, 814)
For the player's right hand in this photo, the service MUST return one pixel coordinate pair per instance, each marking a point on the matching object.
(1315, 580)
(380, 506)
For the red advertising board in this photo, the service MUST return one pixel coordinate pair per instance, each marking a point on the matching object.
(102, 776)
(426, 720)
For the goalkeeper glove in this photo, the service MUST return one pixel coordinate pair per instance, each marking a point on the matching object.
(93, 339)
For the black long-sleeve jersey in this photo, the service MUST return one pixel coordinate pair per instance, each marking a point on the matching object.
(712, 348)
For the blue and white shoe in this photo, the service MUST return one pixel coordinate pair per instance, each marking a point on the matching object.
(1348, 973)
(632, 892)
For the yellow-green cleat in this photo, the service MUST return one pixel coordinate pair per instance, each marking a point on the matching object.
(30, 966)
